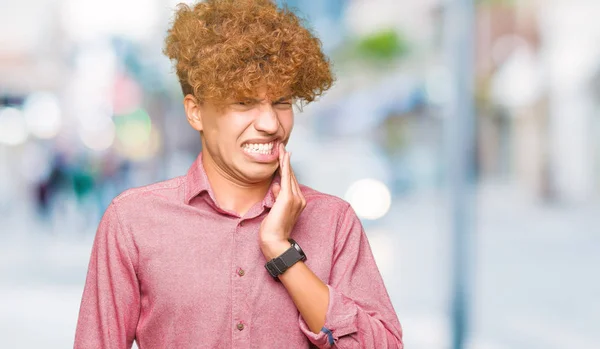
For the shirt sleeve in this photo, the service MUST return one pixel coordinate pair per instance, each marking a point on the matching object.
(360, 313)
(110, 304)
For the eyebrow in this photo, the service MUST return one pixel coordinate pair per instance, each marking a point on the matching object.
(257, 101)
(283, 99)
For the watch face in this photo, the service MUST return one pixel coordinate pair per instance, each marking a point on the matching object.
(297, 248)
(279, 265)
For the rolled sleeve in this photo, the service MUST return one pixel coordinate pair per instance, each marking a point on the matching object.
(340, 320)
(360, 313)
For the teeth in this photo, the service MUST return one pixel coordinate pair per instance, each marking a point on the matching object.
(259, 148)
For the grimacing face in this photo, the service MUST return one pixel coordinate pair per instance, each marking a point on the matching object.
(242, 138)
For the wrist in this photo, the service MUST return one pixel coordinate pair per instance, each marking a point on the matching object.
(273, 249)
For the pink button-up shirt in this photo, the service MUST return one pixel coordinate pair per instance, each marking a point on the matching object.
(170, 269)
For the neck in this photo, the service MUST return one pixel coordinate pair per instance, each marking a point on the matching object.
(231, 194)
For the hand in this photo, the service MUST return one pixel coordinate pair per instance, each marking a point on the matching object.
(275, 229)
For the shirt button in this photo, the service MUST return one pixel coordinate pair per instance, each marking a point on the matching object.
(240, 326)
(241, 272)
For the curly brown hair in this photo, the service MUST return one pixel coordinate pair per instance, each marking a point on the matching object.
(226, 49)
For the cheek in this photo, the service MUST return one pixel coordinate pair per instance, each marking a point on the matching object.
(287, 121)
(233, 129)
(234, 124)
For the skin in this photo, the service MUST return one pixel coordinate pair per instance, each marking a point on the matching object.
(239, 182)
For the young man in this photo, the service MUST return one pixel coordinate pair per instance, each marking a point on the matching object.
(237, 254)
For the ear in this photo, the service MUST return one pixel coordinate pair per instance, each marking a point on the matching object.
(192, 111)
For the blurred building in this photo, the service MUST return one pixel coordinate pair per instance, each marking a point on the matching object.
(537, 118)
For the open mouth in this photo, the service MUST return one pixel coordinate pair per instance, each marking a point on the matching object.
(259, 148)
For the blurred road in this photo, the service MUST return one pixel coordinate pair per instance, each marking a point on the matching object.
(535, 273)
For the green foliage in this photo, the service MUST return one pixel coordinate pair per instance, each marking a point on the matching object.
(384, 45)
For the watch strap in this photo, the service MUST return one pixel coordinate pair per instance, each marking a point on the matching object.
(291, 256)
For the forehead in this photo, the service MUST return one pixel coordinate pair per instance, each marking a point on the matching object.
(263, 93)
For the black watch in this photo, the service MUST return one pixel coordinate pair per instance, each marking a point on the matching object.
(279, 265)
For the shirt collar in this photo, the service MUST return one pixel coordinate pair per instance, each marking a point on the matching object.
(269, 199)
(197, 182)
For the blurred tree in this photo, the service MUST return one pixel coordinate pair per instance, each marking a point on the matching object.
(383, 45)
(374, 50)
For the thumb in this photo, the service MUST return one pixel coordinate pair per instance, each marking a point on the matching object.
(276, 189)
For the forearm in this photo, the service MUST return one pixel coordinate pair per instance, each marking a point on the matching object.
(309, 293)
(322, 306)
(351, 326)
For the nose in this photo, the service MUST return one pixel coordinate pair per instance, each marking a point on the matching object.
(267, 120)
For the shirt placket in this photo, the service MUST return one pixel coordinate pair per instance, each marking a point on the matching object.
(241, 325)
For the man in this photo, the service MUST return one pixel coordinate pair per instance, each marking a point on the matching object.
(237, 254)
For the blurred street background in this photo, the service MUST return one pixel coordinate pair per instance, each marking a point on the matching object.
(89, 106)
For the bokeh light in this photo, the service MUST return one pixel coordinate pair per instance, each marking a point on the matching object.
(99, 135)
(136, 138)
(127, 95)
(370, 198)
(13, 129)
(43, 115)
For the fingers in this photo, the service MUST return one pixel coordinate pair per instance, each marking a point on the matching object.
(284, 166)
(298, 192)
(289, 183)
(293, 183)
(276, 190)
(281, 153)
(295, 186)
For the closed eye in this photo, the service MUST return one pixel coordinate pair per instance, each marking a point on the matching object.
(283, 103)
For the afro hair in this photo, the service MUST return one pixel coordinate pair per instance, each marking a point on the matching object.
(227, 49)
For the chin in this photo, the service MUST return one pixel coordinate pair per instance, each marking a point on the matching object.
(259, 172)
